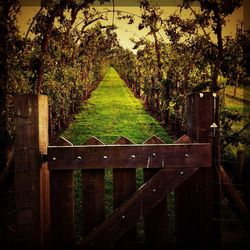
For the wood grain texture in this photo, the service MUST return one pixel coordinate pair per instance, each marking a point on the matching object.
(43, 125)
(137, 206)
(62, 206)
(156, 222)
(124, 185)
(62, 209)
(31, 137)
(194, 227)
(130, 156)
(93, 194)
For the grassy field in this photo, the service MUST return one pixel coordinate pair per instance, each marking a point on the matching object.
(241, 101)
(111, 112)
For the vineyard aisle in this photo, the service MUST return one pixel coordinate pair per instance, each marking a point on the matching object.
(111, 112)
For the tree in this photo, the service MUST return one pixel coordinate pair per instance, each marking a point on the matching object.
(212, 15)
(233, 67)
(151, 19)
(45, 23)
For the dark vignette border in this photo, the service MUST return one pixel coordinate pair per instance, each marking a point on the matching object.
(117, 2)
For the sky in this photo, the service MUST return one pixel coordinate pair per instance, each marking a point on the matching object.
(126, 31)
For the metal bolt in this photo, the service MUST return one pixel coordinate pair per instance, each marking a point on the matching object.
(54, 158)
(154, 190)
(181, 173)
(201, 95)
(79, 157)
(105, 157)
(186, 155)
(123, 217)
(154, 154)
(132, 156)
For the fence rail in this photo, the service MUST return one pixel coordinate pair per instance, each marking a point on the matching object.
(129, 156)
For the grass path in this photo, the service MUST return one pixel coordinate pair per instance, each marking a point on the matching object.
(111, 112)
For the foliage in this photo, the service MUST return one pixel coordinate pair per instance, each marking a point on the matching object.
(108, 117)
(11, 46)
(213, 14)
(62, 61)
(231, 134)
(75, 72)
(233, 67)
(191, 62)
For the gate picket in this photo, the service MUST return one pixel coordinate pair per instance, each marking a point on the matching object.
(93, 194)
(124, 184)
(62, 206)
(155, 232)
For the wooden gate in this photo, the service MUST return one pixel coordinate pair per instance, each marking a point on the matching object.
(45, 208)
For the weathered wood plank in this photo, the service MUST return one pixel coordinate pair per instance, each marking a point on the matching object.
(137, 206)
(31, 137)
(156, 222)
(124, 185)
(130, 156)
(43, 123)
(62, 207)
(93, 194)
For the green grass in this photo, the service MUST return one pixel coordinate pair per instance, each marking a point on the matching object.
(112, 112)
(241, 92)
(241, 102)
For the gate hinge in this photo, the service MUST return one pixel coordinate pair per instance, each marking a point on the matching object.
(44, 157)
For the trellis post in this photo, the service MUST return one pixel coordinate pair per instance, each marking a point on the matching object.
(31, 174)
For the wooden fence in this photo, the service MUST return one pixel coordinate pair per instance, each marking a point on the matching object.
(45, 189)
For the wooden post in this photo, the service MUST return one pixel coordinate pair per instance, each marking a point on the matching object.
(194, 198)
(32, 201)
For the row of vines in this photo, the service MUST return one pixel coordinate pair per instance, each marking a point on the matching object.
(55, 58)
(180, 56)
(164, 73)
